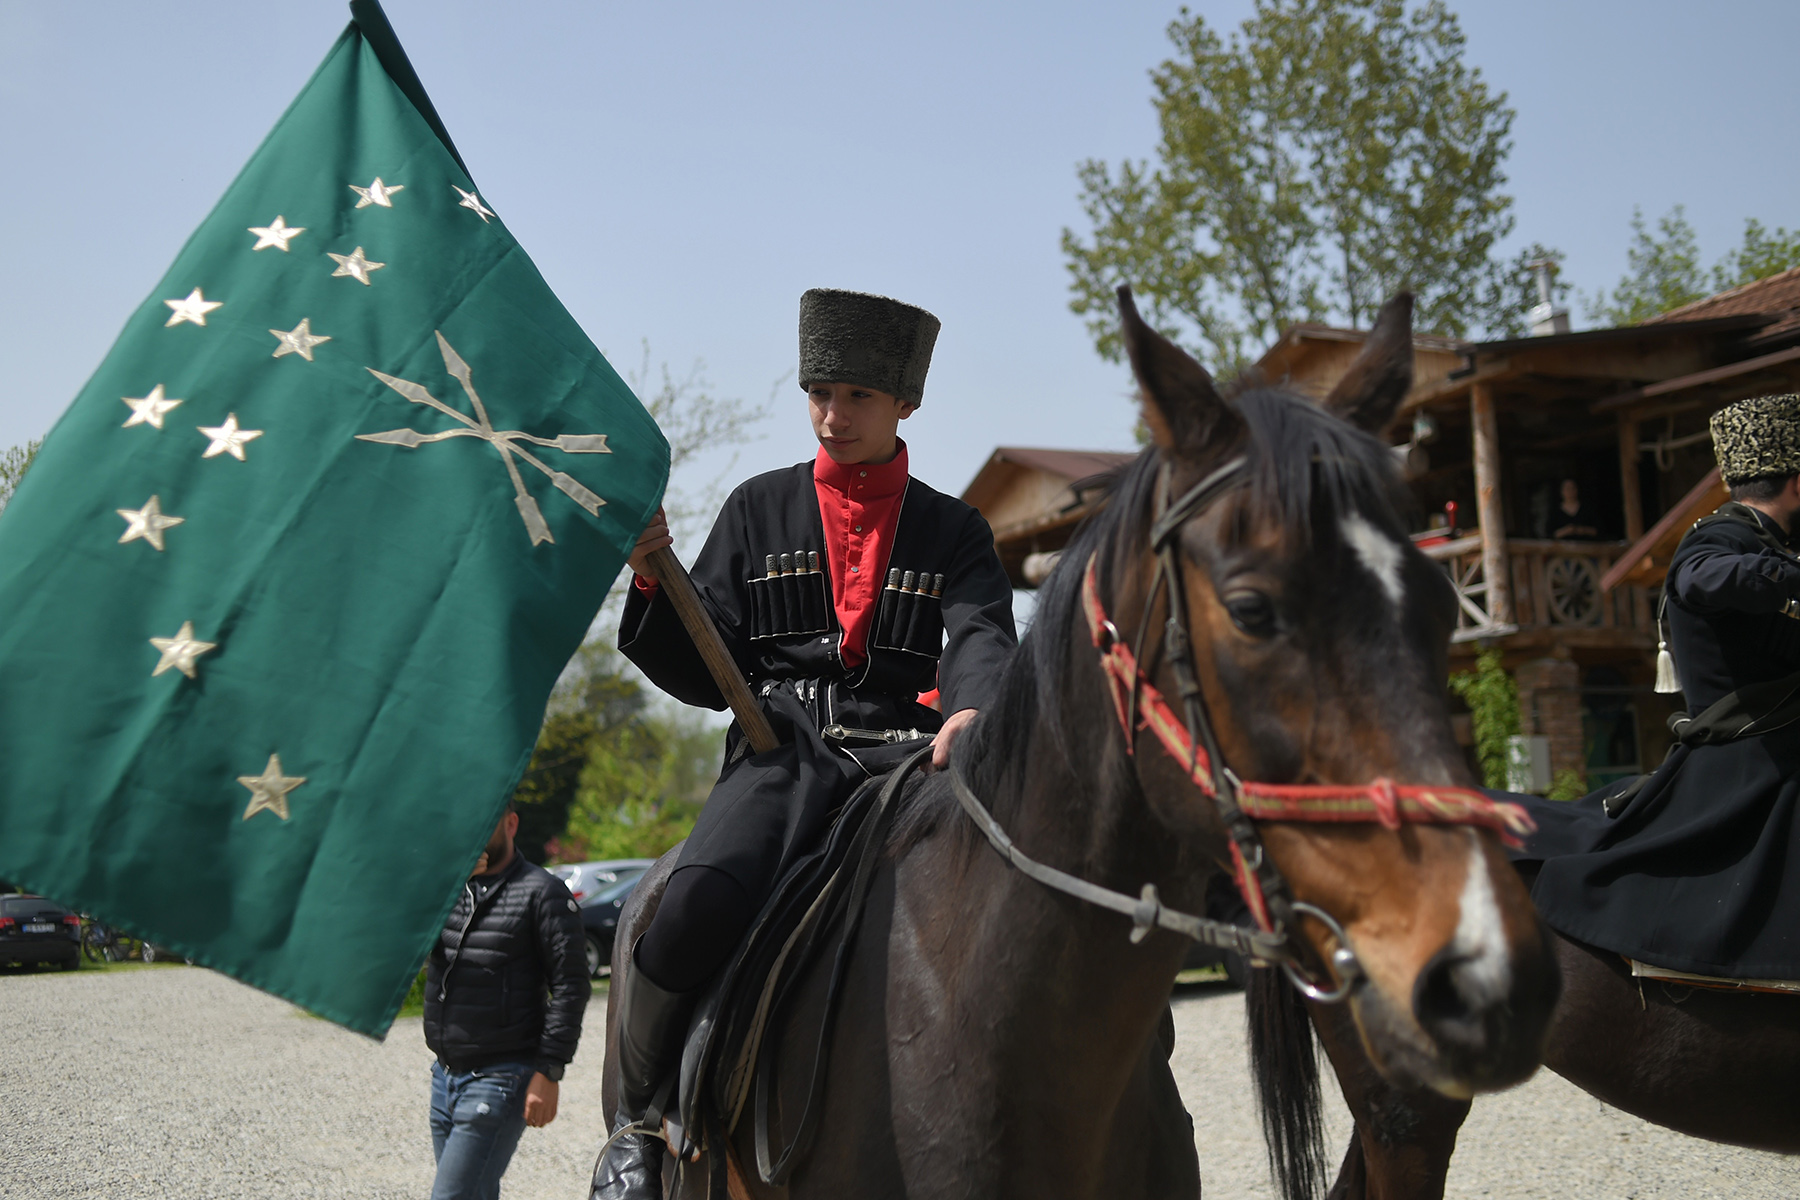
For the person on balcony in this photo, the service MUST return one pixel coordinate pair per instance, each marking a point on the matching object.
(1571, 518)
(1696, 867)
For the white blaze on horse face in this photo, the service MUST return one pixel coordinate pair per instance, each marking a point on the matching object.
(1485, 974)
(1377, 551)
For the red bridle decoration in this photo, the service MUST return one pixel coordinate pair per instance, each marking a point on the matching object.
(1385, 802)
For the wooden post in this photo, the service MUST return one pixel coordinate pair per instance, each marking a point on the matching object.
(1485, 432)
(672, 577)
(1628, 478)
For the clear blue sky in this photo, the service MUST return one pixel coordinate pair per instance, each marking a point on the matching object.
(682, 172)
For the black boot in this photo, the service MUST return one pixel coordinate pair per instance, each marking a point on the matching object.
(651, 1024)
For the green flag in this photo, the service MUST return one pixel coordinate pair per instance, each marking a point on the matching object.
(284, 594)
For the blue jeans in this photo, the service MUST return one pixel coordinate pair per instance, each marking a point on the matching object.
(476, 1120)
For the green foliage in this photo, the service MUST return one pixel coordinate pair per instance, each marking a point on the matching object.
(1664, 273)
(1493, 700)
(1764, 253)
(612, 776)
(14, 463)
(1569, 784)
(414, 1004)
(1330, 153)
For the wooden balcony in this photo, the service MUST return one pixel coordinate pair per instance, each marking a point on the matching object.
(1555, 594)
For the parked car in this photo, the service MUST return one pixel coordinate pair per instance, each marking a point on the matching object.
(584, 879)
(35, 930)
(600, 919)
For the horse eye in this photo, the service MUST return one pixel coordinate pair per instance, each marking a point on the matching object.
(1252, 612)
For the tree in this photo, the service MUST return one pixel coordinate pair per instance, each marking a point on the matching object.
(13, 464)
(1664, 272)
(612, 776)
(1764, 253)
(1330, 153)
(696, 421)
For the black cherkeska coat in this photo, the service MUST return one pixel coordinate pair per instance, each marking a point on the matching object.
(1701, 870)
(944, 620)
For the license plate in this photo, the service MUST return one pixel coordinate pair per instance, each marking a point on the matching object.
(45, 928)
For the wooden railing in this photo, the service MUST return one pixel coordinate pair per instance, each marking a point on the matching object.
(1555, 584)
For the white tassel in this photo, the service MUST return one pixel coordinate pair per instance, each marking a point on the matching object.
(1666, 682)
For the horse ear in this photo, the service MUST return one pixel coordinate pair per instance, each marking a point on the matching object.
(1381, 376)
(1183, 409)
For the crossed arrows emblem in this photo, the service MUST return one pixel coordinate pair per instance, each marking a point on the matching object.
(504, 440)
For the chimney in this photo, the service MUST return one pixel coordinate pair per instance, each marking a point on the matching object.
(1545, 316)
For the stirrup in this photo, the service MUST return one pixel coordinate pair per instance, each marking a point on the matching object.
(621, 1131)
(649, 1125)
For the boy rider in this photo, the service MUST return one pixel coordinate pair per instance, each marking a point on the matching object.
(843, 588)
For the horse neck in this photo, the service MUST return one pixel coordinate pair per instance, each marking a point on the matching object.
(1073, 802)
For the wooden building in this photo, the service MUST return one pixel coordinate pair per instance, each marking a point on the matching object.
(1492, 429)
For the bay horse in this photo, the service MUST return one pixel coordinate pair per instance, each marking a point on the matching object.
(1712, 1064)
(998, 1037)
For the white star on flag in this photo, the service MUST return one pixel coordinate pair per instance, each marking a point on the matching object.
(473, 203)
(354, 265)
(300, 339)
(180, 651)
(192, 307)
(228, 438)
(148, 410)
(147, 522)
(377, 193)
(270, 789)
(275, 234)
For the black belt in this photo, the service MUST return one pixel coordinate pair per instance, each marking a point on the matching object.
(844, 735)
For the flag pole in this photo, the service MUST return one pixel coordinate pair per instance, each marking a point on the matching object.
(674, 579)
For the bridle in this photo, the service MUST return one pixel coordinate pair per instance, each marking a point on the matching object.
(1191, 741)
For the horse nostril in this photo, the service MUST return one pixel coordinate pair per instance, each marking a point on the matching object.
(1487, 1015)
(1442, 1004)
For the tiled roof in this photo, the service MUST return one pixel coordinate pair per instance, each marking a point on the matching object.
(1778, 296)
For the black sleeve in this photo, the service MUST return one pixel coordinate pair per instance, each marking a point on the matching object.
(1718, 575)
(561, 950)
(978, 622)
(652, 636)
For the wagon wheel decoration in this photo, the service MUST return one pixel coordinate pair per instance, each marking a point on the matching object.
(1574, 591)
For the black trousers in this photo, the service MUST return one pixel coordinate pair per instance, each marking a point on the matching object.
(765, 813)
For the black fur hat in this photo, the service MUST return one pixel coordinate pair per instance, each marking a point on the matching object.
(871, 341)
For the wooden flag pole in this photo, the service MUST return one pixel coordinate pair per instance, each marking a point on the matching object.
(673, 578)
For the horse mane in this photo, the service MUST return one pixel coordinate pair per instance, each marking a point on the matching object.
(1037, 672)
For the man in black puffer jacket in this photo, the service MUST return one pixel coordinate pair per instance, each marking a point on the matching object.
(505, 989)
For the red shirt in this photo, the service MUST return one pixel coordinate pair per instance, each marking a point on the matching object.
(859, 506)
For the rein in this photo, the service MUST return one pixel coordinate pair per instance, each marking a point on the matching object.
(1189, 739)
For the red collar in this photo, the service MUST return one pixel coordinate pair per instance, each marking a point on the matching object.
(871, 480)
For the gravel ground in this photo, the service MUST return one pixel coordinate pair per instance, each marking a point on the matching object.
(176, 1082)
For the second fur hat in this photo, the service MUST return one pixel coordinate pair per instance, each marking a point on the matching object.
(1758, 437)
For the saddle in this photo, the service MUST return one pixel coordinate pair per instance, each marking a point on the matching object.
(729, 1057)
